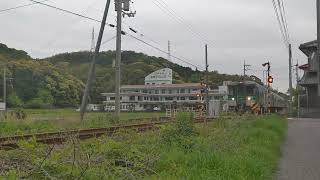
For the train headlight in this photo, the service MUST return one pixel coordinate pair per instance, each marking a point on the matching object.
(232, 99)
(249, 98)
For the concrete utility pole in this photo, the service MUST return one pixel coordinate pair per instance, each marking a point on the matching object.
(118, 4)
(91, 73)
(297, 73)
(245, 68)
(207, 80)
(92, 40)
(5, 85)
(169, 51)
(290, 81)
(318, 42)
(121, 6)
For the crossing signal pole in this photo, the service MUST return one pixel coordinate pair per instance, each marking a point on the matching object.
(269, 82)
(207, 80)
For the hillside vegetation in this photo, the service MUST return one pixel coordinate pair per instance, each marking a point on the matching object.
(36, 83)
(58, 81)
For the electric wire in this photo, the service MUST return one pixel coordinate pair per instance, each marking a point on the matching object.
(20, 6)
(111, 25)
(154, 47)
(281, 18)
(168, 11)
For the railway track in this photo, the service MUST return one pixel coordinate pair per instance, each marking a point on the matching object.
(11, 142)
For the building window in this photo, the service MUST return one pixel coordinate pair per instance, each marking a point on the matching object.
(189, 91)
(170, 91)
(132, 98)
(156, 98)
(169, 98)
(183, 98)
(163, 91)
(182, 91)
(145, 91)
(112, 98)
(156, 91)
(193, 98)
(139, 98)
(145, 98)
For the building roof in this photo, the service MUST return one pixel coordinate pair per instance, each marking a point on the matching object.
(152, 86)
(309, 47)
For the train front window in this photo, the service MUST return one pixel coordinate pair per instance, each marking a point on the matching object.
(250, 90)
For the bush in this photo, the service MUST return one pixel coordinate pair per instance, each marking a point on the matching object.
(14, 101)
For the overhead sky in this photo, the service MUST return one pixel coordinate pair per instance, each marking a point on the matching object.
(235, 30)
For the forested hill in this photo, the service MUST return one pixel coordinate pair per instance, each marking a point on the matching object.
(10, 53)
(58, 81)
(35, 83)
(134, 67)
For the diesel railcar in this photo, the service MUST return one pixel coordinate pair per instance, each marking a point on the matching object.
(249, 96)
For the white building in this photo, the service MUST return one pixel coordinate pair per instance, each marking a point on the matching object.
(158, 93)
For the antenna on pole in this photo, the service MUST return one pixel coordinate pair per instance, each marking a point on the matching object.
(245, 68)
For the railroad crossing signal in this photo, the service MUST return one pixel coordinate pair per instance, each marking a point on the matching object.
(270, 79)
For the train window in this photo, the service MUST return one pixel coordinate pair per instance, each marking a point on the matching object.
(250, 90)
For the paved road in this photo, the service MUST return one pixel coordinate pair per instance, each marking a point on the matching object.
(301, 153)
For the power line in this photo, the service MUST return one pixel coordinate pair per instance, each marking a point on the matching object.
(108, 40)
(154, 47)
(66, 11)
(20, 6)
(281, 18)
(171, 13)
(111, 25)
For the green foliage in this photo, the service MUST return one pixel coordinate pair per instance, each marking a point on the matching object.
(245, 147)
(14, 100)
(135, 66)
(44, 99)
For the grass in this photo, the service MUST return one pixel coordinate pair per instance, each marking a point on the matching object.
(65, 119)
(236, 147)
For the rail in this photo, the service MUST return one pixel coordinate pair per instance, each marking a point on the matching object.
(11, 142)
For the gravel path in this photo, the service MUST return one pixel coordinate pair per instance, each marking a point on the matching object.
(301, 152)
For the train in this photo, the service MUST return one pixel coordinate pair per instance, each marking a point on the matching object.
(249, 96)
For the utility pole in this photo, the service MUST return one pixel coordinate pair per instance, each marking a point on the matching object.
(245, 68)
(297, 73)
(207, 81)
(297, 89)
(120, 6)
(290, 81)
(169, 51)
(92, 40)
(5, 86)
(318, 42)
(91, 73)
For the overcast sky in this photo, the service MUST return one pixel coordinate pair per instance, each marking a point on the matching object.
(236, 30)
